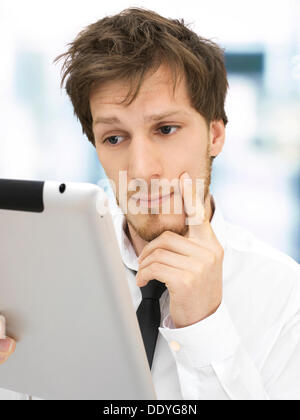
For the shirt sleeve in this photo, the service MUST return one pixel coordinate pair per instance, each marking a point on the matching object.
(211, 361)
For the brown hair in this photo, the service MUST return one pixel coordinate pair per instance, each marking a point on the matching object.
(128, 45)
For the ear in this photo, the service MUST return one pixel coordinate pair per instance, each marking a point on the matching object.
(216, 137)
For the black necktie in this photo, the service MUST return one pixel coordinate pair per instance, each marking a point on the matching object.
(148, 315)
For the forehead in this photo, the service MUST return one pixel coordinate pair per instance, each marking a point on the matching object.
(158, 86)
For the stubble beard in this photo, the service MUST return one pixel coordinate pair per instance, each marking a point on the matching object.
(150, 226)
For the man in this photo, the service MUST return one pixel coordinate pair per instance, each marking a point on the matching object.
(150, 96)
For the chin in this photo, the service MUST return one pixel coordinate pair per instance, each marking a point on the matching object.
(150, 226)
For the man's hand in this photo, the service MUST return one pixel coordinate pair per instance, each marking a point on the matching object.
(7, 345)
(190, 266)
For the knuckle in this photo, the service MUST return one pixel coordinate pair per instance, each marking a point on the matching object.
(188, 279)
(212, 259)
(220, 252)
(166, 234)
(154, 267)
(157, 253)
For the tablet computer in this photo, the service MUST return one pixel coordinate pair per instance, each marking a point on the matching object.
(65, 296)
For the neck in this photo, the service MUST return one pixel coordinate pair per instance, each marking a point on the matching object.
(138, 243)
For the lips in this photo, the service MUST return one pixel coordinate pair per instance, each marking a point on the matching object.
(152, 200)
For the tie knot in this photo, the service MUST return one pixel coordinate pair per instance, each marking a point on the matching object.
(153, 290)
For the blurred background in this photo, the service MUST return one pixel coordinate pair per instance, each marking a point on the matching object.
(256, 179)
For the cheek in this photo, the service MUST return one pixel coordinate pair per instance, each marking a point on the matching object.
(100, 155)
(109, 163)
(196, 147)
(109, 168)
(188, 155)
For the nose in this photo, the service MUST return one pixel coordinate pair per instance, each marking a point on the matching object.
(145, 159)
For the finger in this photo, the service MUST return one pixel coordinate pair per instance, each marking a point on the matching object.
(172, 259)
(2, 327)
(171, 276)
(7, 346)
(192, 192)
(172, 242)
(199, 226)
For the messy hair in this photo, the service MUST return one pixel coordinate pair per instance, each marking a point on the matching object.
(127, 46)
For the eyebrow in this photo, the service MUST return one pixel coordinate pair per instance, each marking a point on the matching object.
(149, 118)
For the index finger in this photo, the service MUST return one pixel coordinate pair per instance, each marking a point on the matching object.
(193, 199)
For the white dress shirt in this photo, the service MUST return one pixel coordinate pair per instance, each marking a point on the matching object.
(250, 347)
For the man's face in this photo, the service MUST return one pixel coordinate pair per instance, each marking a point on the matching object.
(158, 136)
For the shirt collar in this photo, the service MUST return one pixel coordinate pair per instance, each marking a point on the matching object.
(128, 254)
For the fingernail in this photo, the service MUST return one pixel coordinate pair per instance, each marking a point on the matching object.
(2, 327)
(5, 345)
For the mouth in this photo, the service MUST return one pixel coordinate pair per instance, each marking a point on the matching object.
(152, 201)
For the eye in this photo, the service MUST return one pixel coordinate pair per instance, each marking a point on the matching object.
(113, 140)
(168, 129)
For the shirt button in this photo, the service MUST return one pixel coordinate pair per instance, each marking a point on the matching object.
(175, 346)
